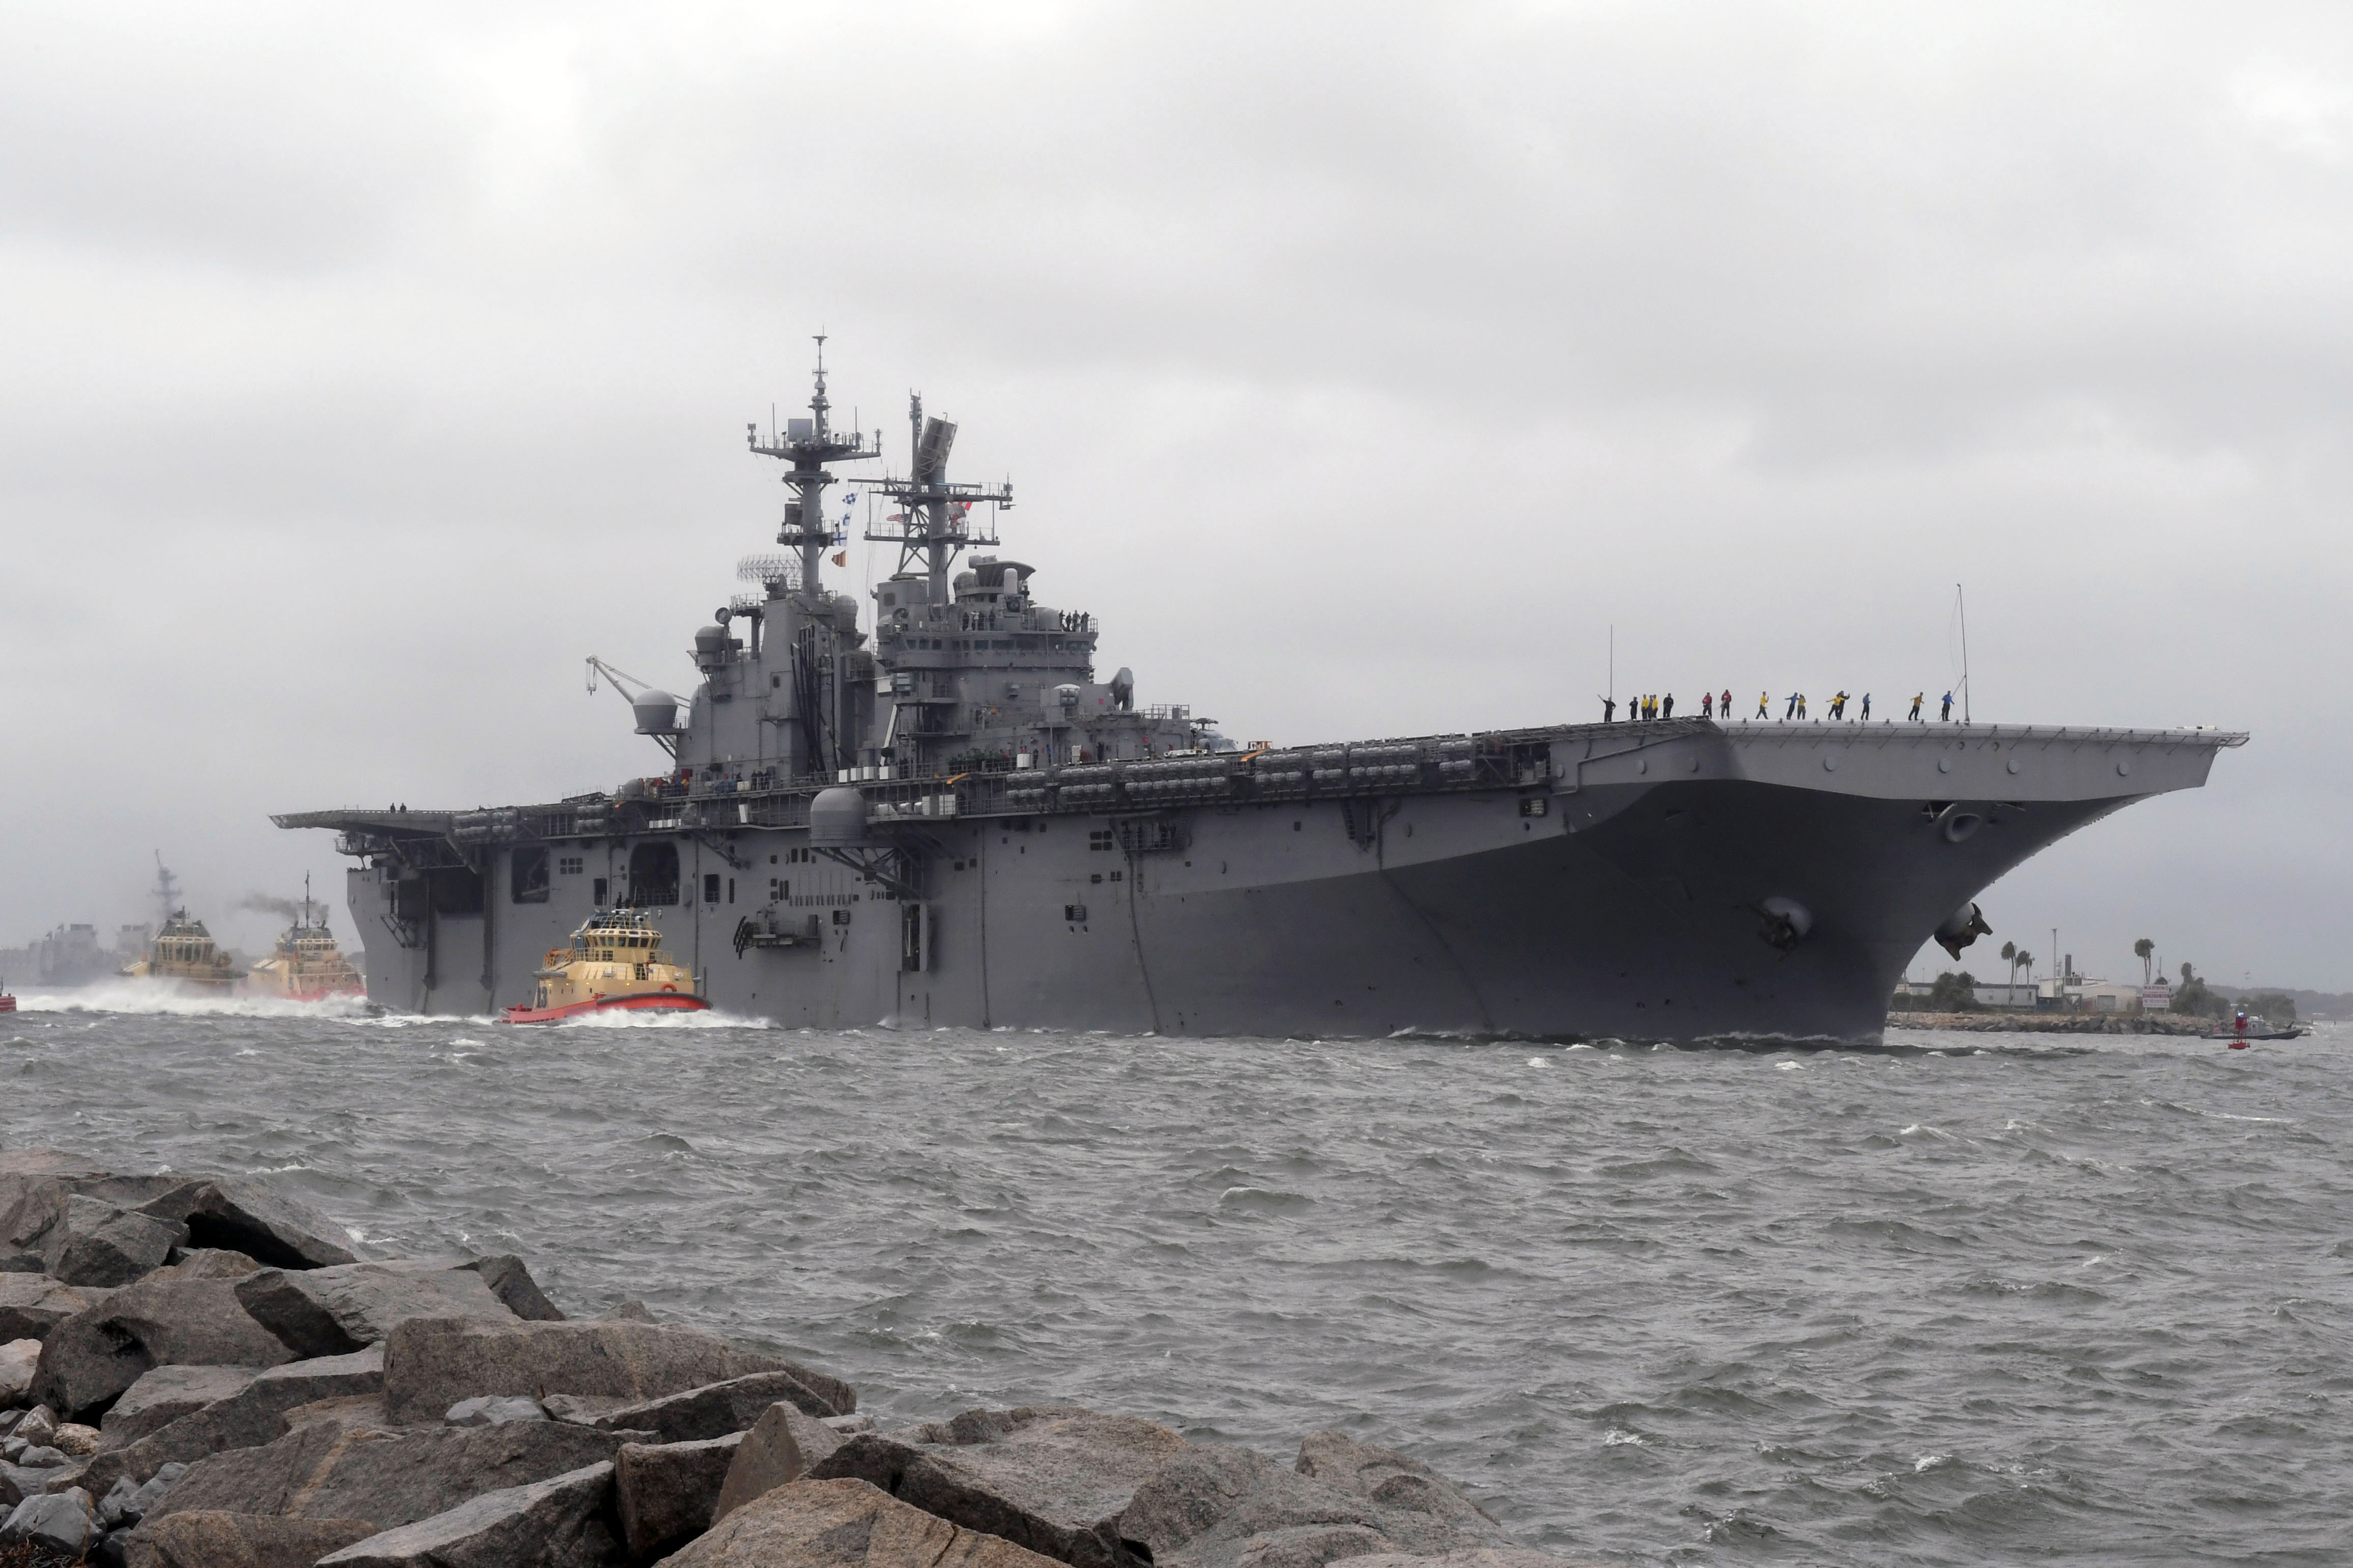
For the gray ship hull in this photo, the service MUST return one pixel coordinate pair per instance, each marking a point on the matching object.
(1622, 886)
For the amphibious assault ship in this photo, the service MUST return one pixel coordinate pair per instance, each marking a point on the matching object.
(950, 820)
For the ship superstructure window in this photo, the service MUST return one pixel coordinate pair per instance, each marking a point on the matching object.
(1101, 838)
(528, 874)
(569, 865)
(710, 887)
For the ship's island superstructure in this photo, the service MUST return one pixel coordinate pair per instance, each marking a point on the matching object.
(954, 822)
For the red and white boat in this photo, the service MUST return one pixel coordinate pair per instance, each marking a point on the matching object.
(615, 964)
(2242, 1028)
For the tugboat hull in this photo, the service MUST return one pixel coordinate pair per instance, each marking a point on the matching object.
(357, 993)
(658, 1002)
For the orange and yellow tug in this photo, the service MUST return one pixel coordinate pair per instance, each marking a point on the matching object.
(615, 964)
(306, 965)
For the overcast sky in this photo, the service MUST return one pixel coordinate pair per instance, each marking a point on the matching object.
(1359, 365)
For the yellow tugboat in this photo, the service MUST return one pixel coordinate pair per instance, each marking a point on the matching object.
(306, 965)
(615, 964)
(183, 950)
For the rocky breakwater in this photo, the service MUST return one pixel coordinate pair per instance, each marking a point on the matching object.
(2010, 1021)
(202, 1373)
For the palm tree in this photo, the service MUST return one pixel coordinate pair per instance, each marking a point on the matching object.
(2141, 950)
(2009, 956)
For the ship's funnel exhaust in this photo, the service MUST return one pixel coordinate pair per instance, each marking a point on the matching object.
(265, 904)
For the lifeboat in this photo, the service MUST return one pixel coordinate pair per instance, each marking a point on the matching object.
(615, 964)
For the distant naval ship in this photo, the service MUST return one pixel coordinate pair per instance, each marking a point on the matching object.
(952, 821)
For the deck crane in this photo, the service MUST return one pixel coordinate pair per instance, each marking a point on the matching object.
(656, 710)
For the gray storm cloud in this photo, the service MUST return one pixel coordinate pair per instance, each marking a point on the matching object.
(1360, 367)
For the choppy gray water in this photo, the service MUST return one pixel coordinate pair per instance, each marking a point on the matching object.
(1974, 1298)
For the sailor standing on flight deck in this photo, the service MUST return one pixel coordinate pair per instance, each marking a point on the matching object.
(1947, 717)
(1707, 704)
(1918, 697)
(1791, 710)
(1761, 707)
(1668, 711)
(1867, 707)
(1608, 710)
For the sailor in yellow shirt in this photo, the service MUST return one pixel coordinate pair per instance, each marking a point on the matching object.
(1917, 699)
(1763, 703)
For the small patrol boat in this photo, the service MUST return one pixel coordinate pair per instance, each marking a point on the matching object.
(2244, 1026)
(615, 964)
(7, 1003)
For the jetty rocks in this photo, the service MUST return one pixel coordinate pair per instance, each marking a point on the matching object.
(199, 1373)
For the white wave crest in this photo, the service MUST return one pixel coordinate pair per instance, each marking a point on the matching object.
(709, 1018)
(141, 996)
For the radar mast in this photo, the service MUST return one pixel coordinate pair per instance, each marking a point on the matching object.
(933, 517)
(167, 890)
(808, 445)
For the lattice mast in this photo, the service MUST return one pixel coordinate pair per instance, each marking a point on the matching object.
(935, 516)
(810, 445)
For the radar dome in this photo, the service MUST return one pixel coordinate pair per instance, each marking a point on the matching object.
(837, 815)
(656, 712)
